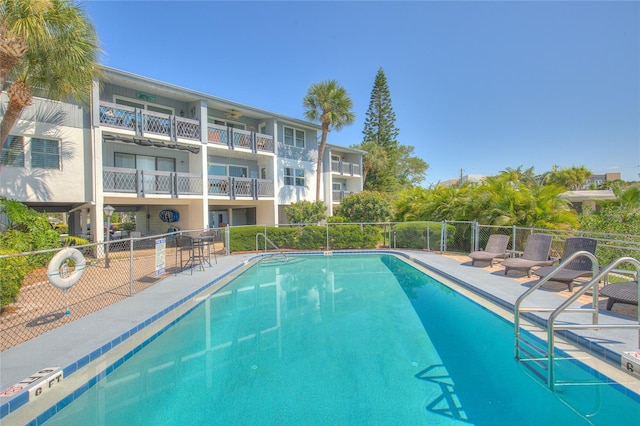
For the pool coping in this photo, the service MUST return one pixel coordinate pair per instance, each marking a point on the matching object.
(74, 345)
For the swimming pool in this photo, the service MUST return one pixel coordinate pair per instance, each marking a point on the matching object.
(359, 339)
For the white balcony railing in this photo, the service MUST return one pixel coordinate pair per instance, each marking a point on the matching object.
(144, 122)
(344, 168)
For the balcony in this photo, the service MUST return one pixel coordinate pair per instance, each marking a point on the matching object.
(344, 168)
(237, 187)
(144, 183)
(144, 122)
(238, 138)
(339, 195)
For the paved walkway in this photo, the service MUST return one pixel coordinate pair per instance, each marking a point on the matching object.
(74, 341)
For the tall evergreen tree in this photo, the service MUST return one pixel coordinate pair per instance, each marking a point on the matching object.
(393, 166)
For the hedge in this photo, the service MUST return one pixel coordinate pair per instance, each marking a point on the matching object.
(414, 235)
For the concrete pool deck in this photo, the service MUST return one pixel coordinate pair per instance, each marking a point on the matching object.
(80, 339)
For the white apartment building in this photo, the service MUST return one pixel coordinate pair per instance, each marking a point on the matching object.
(145, 146)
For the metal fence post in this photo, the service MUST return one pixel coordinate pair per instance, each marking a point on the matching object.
(131, 290)
(327, 235)
(443, 236)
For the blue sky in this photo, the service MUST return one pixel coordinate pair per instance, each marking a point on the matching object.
(475, 86)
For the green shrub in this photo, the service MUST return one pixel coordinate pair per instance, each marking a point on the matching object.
(305, 211)
(284, 238)
(312, 237)
(371, 236)
(366, 206)
(127, 226)
(61, 228)
(244, 238)
(72, 240)
(345, 236)
(414, 235)
(337, 219)
(12, 270)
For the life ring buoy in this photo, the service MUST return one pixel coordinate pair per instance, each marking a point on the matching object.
(58, 270)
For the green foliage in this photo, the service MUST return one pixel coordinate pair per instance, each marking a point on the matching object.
(312, 237)
(366, 206)
(499, 200)
(329, 104)
(570, 178)
(345, 236)
(26, 229)
(12, 270)
(284, 238)
(61, 228)
(621, 220)
(337, 219)
(244, 238)
(414, 235)
(388, 166)
(305, 212)
(72, 240)
(127, 226)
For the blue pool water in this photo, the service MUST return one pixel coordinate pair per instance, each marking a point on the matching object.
(364, 339)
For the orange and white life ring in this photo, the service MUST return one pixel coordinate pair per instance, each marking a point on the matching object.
(58, 270)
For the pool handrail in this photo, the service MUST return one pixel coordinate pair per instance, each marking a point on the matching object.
(266, 239)
(564, 307)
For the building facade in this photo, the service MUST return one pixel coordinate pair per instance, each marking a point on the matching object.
(146, 147)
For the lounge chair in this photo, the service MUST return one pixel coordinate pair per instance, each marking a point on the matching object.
(536, 253)
(496, 247)
(626, 292)
(579, 267)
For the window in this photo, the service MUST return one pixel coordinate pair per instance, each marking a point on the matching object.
(13, 152)
(143, 105)
(227, 123)
(45, 153)
(144, 162)
(293, 137)
(237, 171)
(337, 186)
(293, 176)
(227, 170)
(217, 170)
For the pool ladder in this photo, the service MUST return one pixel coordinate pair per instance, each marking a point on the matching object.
(538, 355)
(267, 240)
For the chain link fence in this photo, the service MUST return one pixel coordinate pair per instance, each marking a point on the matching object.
(112, 272)
(122, 268)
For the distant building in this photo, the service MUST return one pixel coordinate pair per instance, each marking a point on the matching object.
(587, 199)
(595, 180)
(462, 180)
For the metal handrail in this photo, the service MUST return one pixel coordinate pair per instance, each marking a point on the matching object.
(523, 296)
(266, 239)
(564, 307)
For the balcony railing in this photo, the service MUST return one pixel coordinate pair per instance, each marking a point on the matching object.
(238, 138)
(344, 168)
(150, 182)
(144, 122)
(234, 187)
(339, 195)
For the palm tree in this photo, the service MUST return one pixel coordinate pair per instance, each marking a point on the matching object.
(45, 44)
(328, 103)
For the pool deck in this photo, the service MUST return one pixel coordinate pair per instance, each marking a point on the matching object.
(79, 340)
